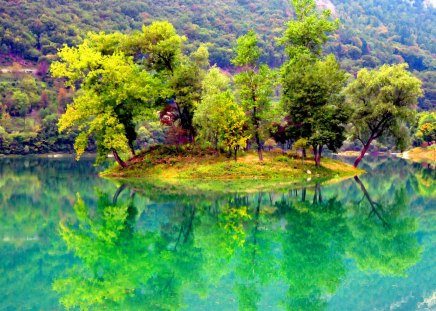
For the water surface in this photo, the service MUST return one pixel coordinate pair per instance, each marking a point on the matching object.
(69, 239)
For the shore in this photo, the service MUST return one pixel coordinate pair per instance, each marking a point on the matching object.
(213, 172)
(420, 154)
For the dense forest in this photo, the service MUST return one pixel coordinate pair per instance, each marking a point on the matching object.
(371, 33)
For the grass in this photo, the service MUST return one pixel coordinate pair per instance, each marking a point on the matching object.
(203, 170)
(421, 154)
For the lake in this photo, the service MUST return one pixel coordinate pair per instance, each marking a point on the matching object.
(69, 239)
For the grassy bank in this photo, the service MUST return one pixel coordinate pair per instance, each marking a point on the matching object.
(207, 171)
(421, 154)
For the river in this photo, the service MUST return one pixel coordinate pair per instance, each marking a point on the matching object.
(69, 239)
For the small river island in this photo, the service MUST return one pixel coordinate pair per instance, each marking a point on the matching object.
(181, 166)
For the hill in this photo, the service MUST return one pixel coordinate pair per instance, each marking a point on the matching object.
(372, 33)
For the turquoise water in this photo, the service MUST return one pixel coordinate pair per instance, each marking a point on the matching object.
(69, 239)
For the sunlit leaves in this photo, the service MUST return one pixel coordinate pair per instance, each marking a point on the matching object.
(113, 92)
(218, 117)
(309, 32)
(383, 99)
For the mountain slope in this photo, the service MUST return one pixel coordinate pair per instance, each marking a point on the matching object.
(373, 32)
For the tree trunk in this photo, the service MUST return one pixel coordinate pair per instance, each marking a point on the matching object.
(236, 154)
(364, 150)
(38, 42)
(118, 159)
(256, 126)
(117, 193)
(371, 202)
(317, 153)
(132, 150)
(259, 152)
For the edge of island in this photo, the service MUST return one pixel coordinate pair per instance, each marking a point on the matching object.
(207, 171)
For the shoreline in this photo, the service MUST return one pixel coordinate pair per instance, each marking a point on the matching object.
(220, 173)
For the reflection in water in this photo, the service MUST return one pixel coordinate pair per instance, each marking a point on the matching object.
(134, 246)
(384, 239)
(255, 240)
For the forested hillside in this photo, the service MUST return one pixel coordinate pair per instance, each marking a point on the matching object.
(372, 33)
(381, 29)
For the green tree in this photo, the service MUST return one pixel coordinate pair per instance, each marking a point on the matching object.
(182, 74)
(426, 127)
(218, 117)
(161, 45)
(254, 86)
(383, 100)
(312, 84)
(21, 104)
(315, 104)
(309, 31)
(114, 91)
(185, 84)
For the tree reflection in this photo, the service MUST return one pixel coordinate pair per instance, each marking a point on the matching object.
(121, 269)
(250, 240)
(384, 238)
(313, 245)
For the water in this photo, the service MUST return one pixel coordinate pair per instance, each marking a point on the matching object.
(69, 239)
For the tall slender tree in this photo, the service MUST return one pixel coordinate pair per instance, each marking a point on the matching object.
(312, 84)
(254, 86)
(218, 117)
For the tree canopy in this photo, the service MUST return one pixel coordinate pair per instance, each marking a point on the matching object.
(383, 101)
(113, 92)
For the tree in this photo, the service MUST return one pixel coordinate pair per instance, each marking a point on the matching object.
(383, 99)
(163, 51)
(426, 127)
(313, 100)
(309, 31)
(254, 85)
(218, 117)
(312, 84)
(21, 104)
(186, 85)
(114, 91)
(161, 46)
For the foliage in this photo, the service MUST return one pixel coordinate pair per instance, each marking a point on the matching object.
(32, 32)
(218, 117)
(312, 84)
(425, 127)
(382, 100)
(114, 91)
(254, 86)
(307, 34)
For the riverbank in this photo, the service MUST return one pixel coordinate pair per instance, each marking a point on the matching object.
(213, 171)
(420, 154)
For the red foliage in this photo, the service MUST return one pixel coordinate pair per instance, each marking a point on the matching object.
(42, 68)
(177, 136)
(168, 115)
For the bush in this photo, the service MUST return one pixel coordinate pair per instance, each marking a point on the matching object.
(283, 158)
